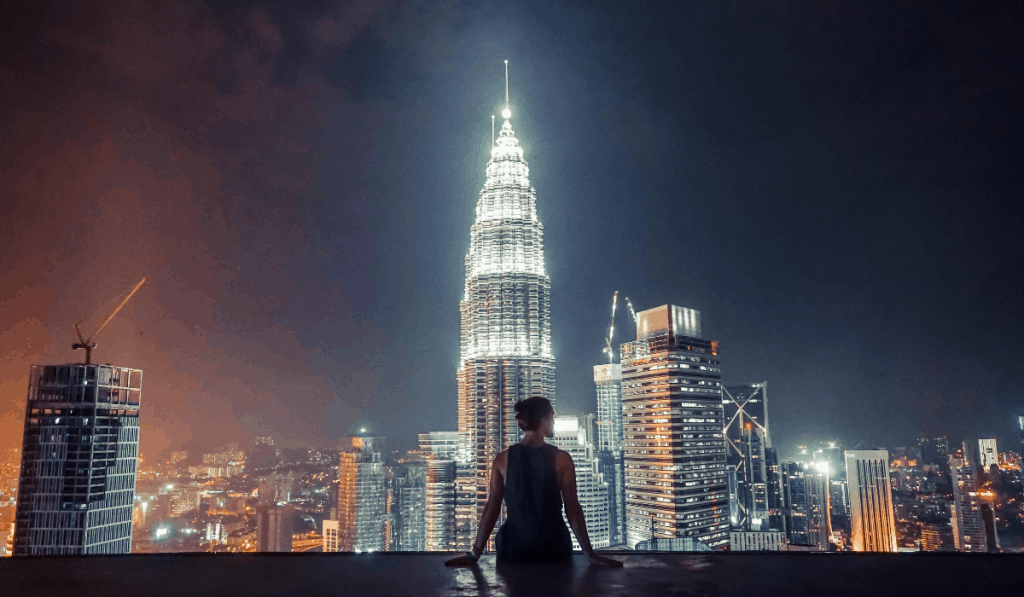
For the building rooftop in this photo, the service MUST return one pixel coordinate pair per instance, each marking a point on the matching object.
(378, 575)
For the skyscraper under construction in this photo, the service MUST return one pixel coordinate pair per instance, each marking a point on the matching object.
(506, 322)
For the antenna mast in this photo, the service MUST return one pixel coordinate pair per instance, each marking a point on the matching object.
(87, 343)
(506, 83)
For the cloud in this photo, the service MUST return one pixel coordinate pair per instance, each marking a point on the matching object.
(157, 141)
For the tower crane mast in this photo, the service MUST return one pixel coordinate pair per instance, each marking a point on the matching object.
(87, 343)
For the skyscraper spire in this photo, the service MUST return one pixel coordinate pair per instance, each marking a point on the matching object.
(506, 113)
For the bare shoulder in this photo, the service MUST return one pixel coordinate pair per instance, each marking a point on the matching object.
(501, 458)
(563, 459)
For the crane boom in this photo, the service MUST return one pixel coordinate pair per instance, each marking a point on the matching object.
(87, 343)
(632, 313)
(611, 330)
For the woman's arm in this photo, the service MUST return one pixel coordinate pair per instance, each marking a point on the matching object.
(566, 472)
(489, 516)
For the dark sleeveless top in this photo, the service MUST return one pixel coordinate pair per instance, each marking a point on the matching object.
(534, 530)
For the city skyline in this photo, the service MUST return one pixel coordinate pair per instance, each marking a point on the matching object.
(309, 317)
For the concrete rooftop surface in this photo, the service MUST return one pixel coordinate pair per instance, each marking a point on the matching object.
(377, 575)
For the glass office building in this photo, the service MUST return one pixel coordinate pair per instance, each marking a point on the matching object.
(79, 456)
(674, 450)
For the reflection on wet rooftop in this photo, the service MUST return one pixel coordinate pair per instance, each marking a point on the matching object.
(377, 575)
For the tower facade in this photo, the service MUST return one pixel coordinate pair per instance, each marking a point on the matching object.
(755, 484)
(966, 515)
(608, 441)
(808, 506)
(674, 451)
(591, 489)
(506, 323)
(79, 456)
(872, 520)
(361, 495)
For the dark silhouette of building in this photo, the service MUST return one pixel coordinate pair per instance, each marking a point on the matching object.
(79, 457)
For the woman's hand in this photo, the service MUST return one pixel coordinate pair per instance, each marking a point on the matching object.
(597, 560)
(463, 560)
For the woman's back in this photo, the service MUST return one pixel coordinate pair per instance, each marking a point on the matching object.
(534, 530)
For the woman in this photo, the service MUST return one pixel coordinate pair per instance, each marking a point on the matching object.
(534, 478)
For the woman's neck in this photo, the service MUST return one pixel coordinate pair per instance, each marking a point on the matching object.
(532, 439)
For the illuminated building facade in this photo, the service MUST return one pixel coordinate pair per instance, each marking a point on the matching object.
(872, 518)
(755, 484)
(361, 494)
(591, 489)
(808, 506)
(988, 453)
(673, 447)
(506, 322)
(608, 436)
(439, 519)
(757, 541)
(79, 457)
(408, 506)
(331, 536)
(966, 510)
(441, 450)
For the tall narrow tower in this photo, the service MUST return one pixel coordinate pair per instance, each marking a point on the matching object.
(506, 317)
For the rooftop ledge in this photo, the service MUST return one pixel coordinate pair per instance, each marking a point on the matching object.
(378, 575)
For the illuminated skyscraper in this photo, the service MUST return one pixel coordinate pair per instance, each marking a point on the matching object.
(988, 453)
(966, 510)
(506, 321)
(674, 451)
(755, 498)
(79, 455)
(441, 449)
(807, 503)
(872, 519)
(608, 432)
(361, 492)
(591, 489)
(408, 505)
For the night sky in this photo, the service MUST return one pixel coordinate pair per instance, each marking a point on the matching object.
(837, 188)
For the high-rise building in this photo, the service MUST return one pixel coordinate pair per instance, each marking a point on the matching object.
(674, 450)
(591, 489)
(988, 453)
(78, 461)
(1020, 431)
(408, 506)
(506, 321)
(966, 510)
(274, 528)
(934, 450)
(608, 436)
(442, 450)
(755, 496)
(439, 518)
(872, 519)
(361, 495)
(808, 506)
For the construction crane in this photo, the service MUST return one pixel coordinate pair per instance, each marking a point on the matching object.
(611, 330)
(632, 313)
(87, 343)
